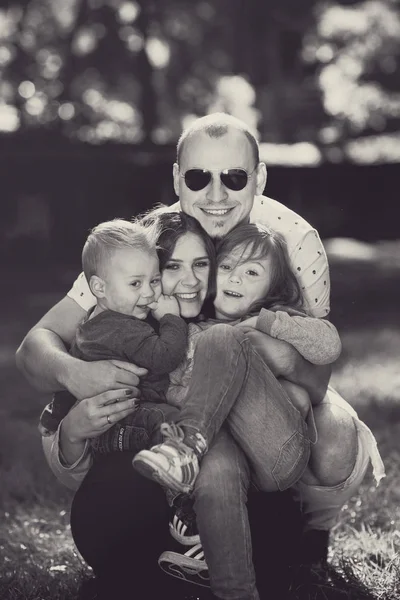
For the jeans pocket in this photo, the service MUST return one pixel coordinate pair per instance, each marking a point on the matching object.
(292, 460)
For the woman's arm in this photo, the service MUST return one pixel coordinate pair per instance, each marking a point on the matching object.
(44, 359)
(67, 450)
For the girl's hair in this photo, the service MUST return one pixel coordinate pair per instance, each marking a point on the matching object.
(172, 226)
(109, 236)
(257, 242)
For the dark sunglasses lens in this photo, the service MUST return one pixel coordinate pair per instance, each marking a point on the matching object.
(197, 179)
(234, 179)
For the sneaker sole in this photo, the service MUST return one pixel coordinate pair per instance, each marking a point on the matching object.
(185, 568)
(152, 471)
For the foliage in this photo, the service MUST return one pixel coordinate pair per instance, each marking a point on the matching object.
(136, 71)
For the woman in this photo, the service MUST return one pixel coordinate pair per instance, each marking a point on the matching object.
(119, 521)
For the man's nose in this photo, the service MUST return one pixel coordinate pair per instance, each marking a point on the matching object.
(216, 191)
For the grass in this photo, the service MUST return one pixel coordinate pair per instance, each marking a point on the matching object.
(39, 561)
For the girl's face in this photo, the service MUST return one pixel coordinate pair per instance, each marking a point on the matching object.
(185, 275)
(241, 281)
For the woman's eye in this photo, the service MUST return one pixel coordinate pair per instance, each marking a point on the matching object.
(171, 267)
(202, 264)
(252, 272)
(224, 267)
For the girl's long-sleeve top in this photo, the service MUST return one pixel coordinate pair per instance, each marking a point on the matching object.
(317, 340)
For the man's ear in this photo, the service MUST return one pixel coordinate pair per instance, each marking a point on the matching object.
(97, 286)
(261, 178)
(176, 176)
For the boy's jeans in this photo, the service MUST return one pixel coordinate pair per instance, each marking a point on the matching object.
(264, 438)
(136, 432)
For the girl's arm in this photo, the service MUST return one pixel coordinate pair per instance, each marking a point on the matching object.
(317, 340)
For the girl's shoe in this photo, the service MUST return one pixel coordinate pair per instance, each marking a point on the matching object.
(173, 463)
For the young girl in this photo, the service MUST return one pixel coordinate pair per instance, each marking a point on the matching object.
(222, 369)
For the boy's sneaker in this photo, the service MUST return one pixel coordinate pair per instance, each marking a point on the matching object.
(190, 567)
(173, 463)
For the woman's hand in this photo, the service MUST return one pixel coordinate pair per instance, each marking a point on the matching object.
(90, 418)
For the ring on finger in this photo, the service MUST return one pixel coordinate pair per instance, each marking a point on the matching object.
(108, 420)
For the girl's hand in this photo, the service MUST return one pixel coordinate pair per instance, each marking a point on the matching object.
(93, 416)
(166, 305)
(250, 322)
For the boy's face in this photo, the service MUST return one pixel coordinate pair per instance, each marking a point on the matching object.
(241, 282)
(132, 281)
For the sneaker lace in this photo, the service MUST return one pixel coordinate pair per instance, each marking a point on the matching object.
(174, 435)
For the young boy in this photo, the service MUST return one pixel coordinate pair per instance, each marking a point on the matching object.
(131, 321)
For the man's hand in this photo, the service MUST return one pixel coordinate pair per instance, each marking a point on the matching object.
(88, 379)
(284, 361)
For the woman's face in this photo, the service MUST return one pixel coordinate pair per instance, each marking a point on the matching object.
(185, 275)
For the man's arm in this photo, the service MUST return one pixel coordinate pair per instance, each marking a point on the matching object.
(46, 363)
(286, 362)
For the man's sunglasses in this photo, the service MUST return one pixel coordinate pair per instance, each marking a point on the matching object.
(233, 179)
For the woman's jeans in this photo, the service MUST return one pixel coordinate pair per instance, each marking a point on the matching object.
(264, 440)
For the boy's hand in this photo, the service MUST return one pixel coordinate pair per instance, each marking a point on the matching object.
(166, 305)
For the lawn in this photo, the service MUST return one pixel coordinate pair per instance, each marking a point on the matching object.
(39, 561)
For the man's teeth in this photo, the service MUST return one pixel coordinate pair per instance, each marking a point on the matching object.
(217, 212)
(234, 294)
(187, 296)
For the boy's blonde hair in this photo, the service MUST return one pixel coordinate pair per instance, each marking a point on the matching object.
(113, 235)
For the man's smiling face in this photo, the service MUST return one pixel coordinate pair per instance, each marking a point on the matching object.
(217, 208)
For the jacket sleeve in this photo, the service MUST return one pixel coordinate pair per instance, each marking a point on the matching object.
(310, 265)
(317, 340)
(72, 475)
(159, 352)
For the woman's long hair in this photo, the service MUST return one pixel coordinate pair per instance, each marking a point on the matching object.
(172, 226)
(256, 242)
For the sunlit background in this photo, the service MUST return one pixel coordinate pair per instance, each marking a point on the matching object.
(299, 71)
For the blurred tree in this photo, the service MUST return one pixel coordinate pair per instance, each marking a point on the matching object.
(355, 47)
(137, 70)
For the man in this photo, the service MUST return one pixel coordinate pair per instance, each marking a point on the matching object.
(219, 180)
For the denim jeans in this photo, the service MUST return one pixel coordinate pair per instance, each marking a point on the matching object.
(230, 382)
(254, 433)
(138, 431)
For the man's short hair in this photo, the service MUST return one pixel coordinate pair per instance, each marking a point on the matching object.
(113, 235)
(217, 125)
